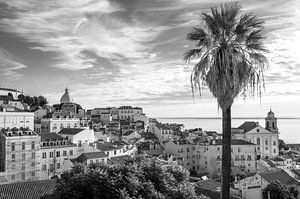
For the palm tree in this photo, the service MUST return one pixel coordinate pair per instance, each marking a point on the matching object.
(230, 61)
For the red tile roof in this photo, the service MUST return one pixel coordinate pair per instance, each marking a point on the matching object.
(26, 190)
(281, 176)
(70, 131)
(247, 126)
(92, 155)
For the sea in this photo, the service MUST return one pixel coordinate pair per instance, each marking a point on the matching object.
(289, 128)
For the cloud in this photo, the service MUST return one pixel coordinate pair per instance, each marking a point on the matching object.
(10, 65)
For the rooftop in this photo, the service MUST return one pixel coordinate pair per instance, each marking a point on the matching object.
(50, 136)
(247, 126)
(27, 190)
(70, 131)
(128, 132)
(119, 159)
(14, 132)
(163, 126)
(281, 176)
(92, 155)
(234, 142)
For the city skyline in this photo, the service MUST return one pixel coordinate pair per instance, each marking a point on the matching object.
(112, 53)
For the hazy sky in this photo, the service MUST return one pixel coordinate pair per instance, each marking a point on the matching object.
(129, 52)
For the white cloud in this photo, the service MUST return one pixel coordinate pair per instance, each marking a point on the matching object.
(9, 65)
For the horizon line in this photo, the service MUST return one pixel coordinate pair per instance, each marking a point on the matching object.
(294, 118)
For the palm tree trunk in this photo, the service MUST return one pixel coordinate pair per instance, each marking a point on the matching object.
(226, 152)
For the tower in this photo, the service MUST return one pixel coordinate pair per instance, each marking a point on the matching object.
(271, 122)
(66, 97)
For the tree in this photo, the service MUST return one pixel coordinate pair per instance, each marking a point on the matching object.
(10, 95)
(140, 177)
(279, 191)
(230, 56)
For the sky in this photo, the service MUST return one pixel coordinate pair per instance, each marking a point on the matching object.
(130, 52)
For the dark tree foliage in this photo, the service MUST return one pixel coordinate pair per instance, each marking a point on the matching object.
(140, 178)
(282, 145)
(279, 191)
(10, 95)
(34, 102)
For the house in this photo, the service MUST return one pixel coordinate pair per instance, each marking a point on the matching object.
(162, 131)
(78, 136)
(130, 134)
(266, 139)
(183, 149)
(17, 119)
(19, 157)
(54, 125)
(118, 160)
(252, 187)
(95, 157)
(116, 148)
(55, 154)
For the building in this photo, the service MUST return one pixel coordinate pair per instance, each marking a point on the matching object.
(266, 139)
(130, 134)
(56, 153)
(126, 113)
(19, 159)
(206, 157)
(14, 92)
(54, 125)
(11, 119)
(183, 149)
(252, 187)
(116, 148)
(162, 131)
(95, 157)
(78, 136)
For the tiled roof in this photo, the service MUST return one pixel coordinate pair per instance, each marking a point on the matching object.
(109, 146)
(163, 126)
(281, 176)
(247, 126)
(92, 155)
(128, 133)
(278, 159)
(26, 190)
(119, 159)
(234, 142)
(70, 131)
(50, 136)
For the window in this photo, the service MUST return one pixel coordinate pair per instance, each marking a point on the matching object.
(242, 157)
(33, 155)
(79, 143)
(115, 152)
(249, 157)
(58, 165)
(32, 145)
(61, 126)
(51, 154)
(239, 149)
(258, 141)
(23, 145)
(32, 173)
(218, 148)
(71, 152)
(13, 167)
(57, 153)
(23, 166)
(274, 150)
(64, 153)
(13, 157)
(68, 125)
(97, 161)
(12, 177)
(51, 168)
(274, 143)
(44, 155)
(44, 167)
(23, 176)
(33, 164)
(13, 146)
(266, 142)
(23, 156)
(237, 157)
(266, 148)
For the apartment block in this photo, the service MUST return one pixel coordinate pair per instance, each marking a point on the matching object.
(19, 159)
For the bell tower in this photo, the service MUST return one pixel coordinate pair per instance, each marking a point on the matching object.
(271, 122)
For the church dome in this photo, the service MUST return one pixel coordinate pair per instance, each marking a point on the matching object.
(270, 114)
(66, 97)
